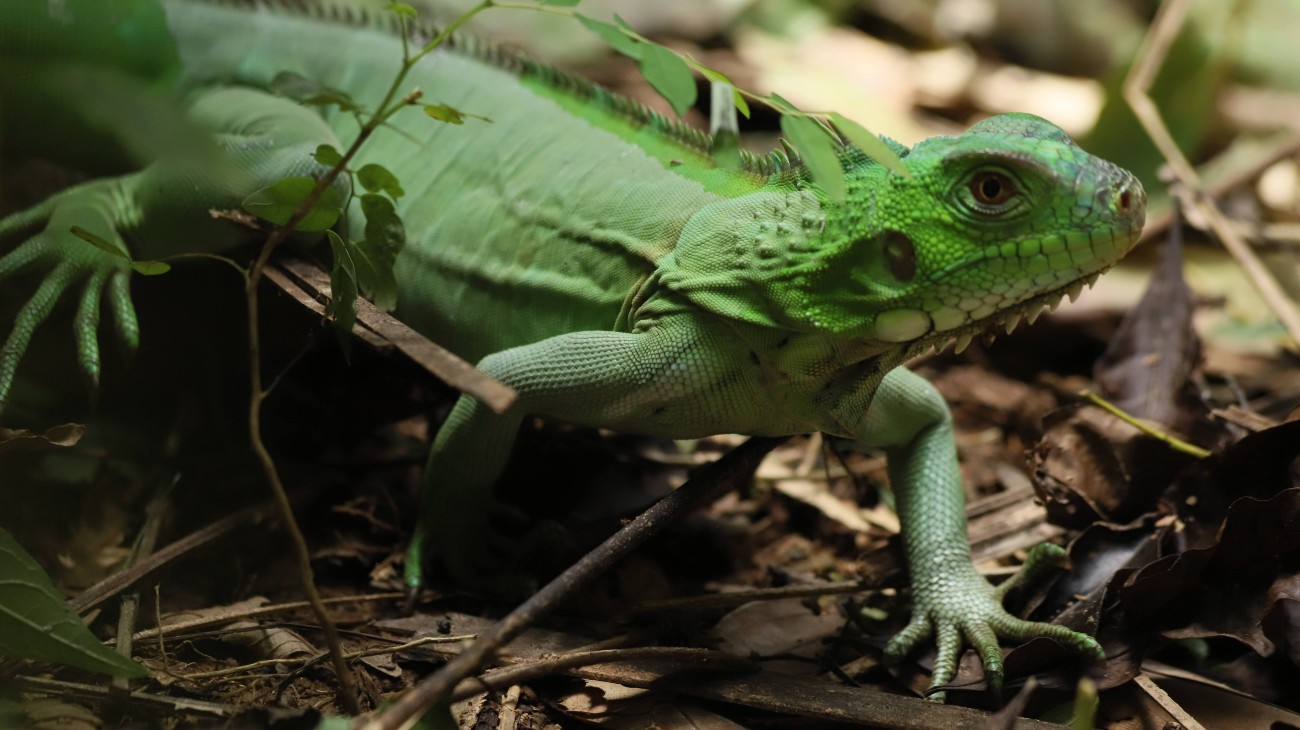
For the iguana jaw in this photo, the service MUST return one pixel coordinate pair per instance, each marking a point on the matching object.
(1009, 316)
(1008, 319)
(1017, 278)
(917, 330)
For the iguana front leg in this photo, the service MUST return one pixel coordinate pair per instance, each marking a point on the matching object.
(590, 377)
(953, 603)
(158, 212)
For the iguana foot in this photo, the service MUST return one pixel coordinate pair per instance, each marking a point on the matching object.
(481, 557)
(40, 242)
(960, 609)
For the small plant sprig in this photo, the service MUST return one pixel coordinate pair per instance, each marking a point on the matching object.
(812, 134)
(314, 204)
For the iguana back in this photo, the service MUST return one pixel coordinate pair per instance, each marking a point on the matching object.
(551, 209)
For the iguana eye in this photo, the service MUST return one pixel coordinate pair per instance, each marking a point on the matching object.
(991, 188)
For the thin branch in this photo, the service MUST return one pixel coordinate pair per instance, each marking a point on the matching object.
(499, 679)
(1146, 65)
(710, 481)
(120, 581)
(302, 662)
(174, 631)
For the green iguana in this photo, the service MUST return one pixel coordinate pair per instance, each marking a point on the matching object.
(591, 254)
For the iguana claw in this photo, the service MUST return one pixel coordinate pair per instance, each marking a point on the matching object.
(51, 246)
(969, 612)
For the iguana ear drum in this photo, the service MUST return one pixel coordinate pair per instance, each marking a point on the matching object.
(900, 255)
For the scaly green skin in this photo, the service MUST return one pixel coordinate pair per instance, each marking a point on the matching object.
(593, 257)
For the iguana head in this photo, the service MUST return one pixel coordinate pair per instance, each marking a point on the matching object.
(991, 226)
(994, 225)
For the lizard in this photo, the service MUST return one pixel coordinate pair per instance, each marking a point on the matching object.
(594, 256)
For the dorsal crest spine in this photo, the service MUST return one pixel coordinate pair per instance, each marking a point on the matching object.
(776, 163)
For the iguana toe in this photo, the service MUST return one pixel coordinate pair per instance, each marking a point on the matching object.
(124, 319)
(30, 317)
(86, 326)
(1043, 558)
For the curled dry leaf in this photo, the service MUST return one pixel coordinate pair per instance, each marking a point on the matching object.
(1235, 577)
(1092, 466)
(615, 706)
(1148, 367)
(1245, 587)
(67, 434)
(769, 628)
(265, 643)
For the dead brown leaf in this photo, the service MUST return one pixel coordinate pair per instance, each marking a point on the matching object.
(67, 434)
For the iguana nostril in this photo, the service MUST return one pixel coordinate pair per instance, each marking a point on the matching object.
(1128, 196)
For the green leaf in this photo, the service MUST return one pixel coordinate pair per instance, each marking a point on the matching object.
(560, 3)
(444, 113)
(613, 35)
(871, 145)
(404, 10)
(151, 268)
(99, 242)
(36, 623)
(328, 156)
(148, 268)
(818, 153)
(343, 291)
(741, 104)
(778, 103)
(277, 203)
(451, 115)
(376, 178)
(377, 255)
(669, 75)
(305, 91)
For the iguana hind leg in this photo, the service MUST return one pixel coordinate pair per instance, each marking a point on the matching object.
(73, 266)
(162, 211)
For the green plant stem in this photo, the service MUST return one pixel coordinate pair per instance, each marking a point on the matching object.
(442, 36)
(210, 256)
(257, 393)
(1174, 442)
(347, 685)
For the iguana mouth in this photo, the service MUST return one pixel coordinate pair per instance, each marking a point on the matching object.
(1011, 317)
(1007, 318)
